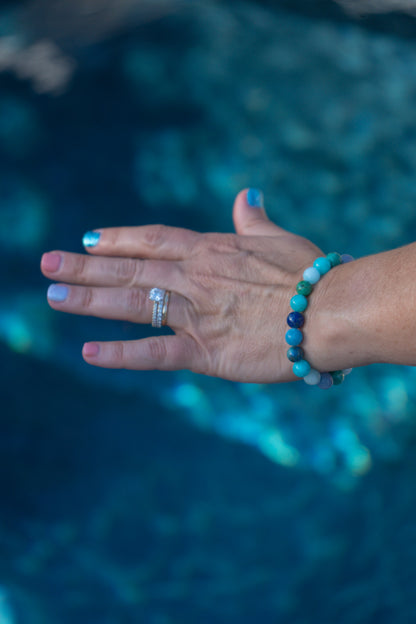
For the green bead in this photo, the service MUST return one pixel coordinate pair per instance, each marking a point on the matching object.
(334, 258)
(304, 288)
(338, 377)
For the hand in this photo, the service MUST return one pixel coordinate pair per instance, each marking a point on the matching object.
(229, 299)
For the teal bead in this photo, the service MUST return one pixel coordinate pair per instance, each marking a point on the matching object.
(338, 377)
(323, 265)
(334, 258)
(299, 303)
(301, 368)
(304, 288)
(294, 337)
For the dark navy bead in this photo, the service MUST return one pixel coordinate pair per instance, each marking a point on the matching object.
(295, 319)
(294, 354)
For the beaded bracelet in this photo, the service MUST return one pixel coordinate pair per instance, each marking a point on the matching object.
(296, 320)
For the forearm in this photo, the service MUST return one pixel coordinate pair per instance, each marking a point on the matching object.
(365, 312)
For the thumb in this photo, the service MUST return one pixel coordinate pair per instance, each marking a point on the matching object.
(249, 216)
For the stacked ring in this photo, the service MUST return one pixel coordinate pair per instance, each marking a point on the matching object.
(160, 300)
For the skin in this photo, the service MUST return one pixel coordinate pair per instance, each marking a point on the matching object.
(230, 299)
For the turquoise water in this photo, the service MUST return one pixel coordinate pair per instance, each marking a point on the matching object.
(165, 498)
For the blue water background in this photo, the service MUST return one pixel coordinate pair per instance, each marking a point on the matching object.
(170, 498)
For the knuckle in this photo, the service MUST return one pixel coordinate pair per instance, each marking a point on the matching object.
(88, 298)
(126, 270)
(136, 300)
(200, 244)
(220, 243)
(113, 237)
(80, 266)
(157, 350)
(118, 353)
(155, 235)
(140, 267)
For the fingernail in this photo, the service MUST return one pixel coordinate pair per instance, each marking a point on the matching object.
(90, 239)
(90, 349)
(255, 198)
(57, 292)
(51, 262)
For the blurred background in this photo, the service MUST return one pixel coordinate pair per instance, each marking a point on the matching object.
(161, 498)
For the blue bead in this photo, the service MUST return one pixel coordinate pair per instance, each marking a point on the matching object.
(311, 275)
(295, 319)
(299, 303)
(301, 368)
(346, 258)
(323, 265)
(294, 354)
(294, 337)
(326, 381)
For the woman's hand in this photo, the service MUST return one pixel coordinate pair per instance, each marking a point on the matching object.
(229, 299)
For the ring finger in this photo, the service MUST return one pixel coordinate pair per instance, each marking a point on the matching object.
(123, 304)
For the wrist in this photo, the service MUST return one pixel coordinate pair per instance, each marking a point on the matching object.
(333, 324)
(320, 371)
(363, 313)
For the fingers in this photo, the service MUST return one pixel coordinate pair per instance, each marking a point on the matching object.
(123, 304)
(149, 241)
(161, 353)
(250, 217)
(103, 271)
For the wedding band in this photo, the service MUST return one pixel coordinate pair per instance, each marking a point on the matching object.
(160, 298)
(165, 308)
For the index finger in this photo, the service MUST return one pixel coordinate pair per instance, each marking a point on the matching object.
(149, 241)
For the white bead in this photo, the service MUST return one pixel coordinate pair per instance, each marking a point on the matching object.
(311, 275)
(312, 378)
(347, 371)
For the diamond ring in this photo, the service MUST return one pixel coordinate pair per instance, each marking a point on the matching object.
(160, 300)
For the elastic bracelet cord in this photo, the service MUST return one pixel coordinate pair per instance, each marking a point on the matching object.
(296, 320)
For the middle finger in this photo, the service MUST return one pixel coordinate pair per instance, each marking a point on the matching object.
(87, 270)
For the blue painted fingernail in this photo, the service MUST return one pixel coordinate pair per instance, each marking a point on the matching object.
(57, 292)
(90, 239)
(255, 198)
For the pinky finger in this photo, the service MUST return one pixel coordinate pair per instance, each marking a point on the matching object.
(155, 353)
